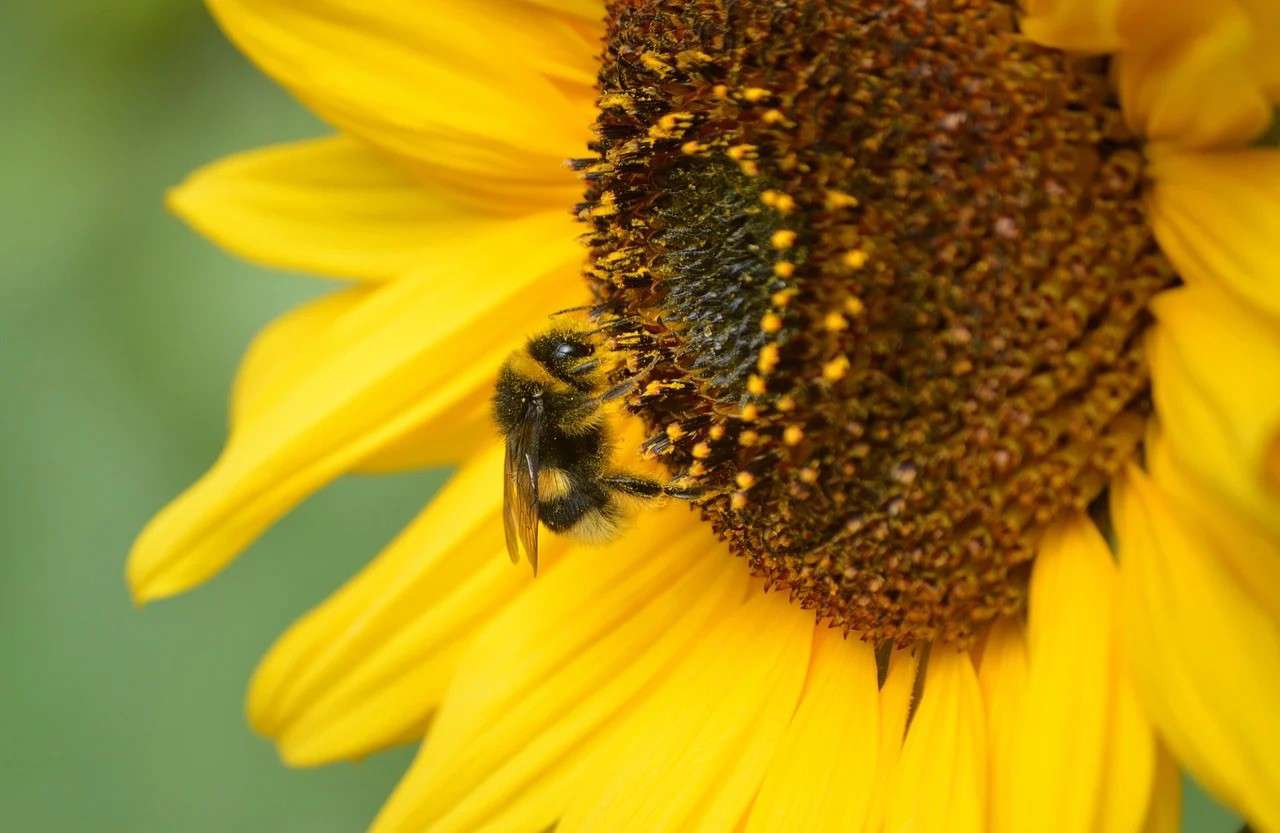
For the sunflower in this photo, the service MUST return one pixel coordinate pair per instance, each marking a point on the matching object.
(964, 316)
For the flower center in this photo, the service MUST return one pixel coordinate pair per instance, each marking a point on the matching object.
(882, 269)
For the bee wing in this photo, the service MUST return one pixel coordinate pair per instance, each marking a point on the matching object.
(520, 487)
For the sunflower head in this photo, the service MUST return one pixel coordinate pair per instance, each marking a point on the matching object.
(888, 266)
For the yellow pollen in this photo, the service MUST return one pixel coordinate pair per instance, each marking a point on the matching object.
(784, 268)
(783, 239)
(720, 91)
(834, 370)
(768, 358)
(809, 475)
(745, 480)
(755, 385)
(738, 501)
(839, 199)
(654, 64)
(835, 322)
(792, 435)
(693, 148)
(608, 205)
(716, 432)
(750, 412)
(701, 451)
(739, 152)
(674, 431)
(780, 202)
(692, 58)
(754, 94)
(786, 403)
(621, 100)
(697, 469)
(782, 297)
(656, 387)
(671, 120)
(854, 259)
(771, 322)
(748, 438)
(854, 306)
(749, 167)
(775, 117)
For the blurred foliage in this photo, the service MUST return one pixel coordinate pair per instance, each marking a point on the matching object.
(119, 335)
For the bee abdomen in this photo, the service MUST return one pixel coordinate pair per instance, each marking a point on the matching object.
(586, 513)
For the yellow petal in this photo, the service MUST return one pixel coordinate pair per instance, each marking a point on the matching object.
(398, 368)
(692, 757)
(589, 10)
(1249, 551)
(303, 341)
(1217, 217)
(1264, 15)
(1125, 795)
(1003, 677)
(1070, 24)
(1206, 657)
(365, 668)
(1084, 755)
(1058, 759)
(289, 348)
(1188, 76)
(547, 679)
(1164, 815)
(465, 425)
(895, 706)
(1215, 371)
(941, 784)
(823, 772)
(467, 85)
(333, 207)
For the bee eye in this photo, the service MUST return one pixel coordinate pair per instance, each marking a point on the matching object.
(571, 350)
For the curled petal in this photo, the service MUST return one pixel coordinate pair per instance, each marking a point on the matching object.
(381, 378)
(1215, 370)
(1070, 24)
(1217, 217)
(495, 88)
(1206, 656)
(1196, 74)
(366, 667)
(335, 207)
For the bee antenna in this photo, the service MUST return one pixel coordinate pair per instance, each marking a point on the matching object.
(608, 325)
(568, 310)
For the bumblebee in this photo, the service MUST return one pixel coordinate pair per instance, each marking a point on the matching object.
(549, 404)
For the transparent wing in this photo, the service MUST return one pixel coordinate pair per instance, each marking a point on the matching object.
(520, 486)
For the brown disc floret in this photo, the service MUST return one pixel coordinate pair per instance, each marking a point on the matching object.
(881, 268)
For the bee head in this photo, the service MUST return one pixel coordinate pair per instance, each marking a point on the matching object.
(567, 355)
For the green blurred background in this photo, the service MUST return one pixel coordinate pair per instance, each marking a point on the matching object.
(119, 334)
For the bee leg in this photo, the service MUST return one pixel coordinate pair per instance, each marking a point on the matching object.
(616, 391)
(629, 484)
(683, 493)
(586, 367)
(643, 487)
